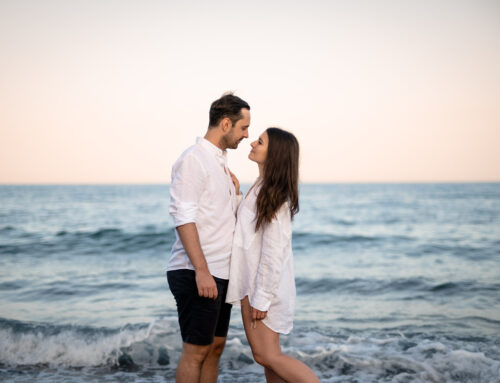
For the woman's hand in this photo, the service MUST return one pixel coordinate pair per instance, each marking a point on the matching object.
(258, 315)
(235, 182)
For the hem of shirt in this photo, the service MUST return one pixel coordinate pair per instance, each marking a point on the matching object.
(284, 331)
(216, 274)
(280, 330)
(237, 300)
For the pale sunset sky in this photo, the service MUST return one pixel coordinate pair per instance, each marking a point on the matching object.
(112, 91)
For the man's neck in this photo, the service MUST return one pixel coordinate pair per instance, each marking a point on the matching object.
(213, 137)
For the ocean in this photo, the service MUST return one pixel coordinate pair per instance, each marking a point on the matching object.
(395, 283)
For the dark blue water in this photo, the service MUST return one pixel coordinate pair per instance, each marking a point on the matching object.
(395, 283)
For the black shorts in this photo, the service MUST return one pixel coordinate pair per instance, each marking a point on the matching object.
(200, 318)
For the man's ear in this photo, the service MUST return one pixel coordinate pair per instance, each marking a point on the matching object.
(226, 125)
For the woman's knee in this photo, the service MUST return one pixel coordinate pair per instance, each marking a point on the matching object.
(265, 359)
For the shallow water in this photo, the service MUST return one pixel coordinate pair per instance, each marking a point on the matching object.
(395, 283)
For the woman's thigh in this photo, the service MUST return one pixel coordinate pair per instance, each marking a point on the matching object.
(265, 343)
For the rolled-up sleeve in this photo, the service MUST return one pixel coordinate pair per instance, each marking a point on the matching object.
(271, 263)
(188, 180)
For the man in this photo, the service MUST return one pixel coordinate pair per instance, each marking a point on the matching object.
(203, 204)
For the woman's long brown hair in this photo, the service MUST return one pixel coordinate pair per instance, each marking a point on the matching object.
(281, 176)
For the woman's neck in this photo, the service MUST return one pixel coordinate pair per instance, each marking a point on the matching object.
(261, 170)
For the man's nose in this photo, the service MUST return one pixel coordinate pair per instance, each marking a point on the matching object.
(245, 134)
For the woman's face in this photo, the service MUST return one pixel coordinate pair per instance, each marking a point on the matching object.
(259, 149)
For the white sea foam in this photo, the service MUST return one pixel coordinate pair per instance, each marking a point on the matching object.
(408, 358)
(66, 348)
(364, 357)
(71, 347)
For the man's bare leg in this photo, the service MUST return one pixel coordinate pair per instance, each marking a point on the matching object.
(190, 363)
(210, 367)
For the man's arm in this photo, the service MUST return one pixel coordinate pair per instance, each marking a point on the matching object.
(188, 234)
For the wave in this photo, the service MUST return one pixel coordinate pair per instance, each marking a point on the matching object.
(31, 343)
(302, 240)
(344, 356)
(412, 285)
(342, 222)
(106, 240)
(461, 251)
(402, 359)
(7, 229)
(114, 240)
(63, 290)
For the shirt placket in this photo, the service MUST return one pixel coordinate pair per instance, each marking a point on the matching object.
(229, 181)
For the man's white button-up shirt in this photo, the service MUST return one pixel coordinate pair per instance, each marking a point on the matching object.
(202, 192)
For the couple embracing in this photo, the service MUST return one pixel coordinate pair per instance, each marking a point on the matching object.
(231, 249)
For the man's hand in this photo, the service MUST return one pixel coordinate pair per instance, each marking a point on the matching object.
(206, 284)
(235, 182)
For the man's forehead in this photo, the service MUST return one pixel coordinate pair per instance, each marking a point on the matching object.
(245, 113)
(244, 122)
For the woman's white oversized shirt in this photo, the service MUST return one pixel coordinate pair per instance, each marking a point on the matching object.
(262, 265)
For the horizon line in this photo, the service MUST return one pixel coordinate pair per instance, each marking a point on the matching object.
(249, 182)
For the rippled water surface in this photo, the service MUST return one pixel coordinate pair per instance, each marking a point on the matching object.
(395, 283)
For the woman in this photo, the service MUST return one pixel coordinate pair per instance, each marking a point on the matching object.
(261, 276)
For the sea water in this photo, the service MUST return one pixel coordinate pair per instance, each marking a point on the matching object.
(395, 283)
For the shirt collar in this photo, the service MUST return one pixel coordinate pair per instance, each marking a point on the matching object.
(220, 155)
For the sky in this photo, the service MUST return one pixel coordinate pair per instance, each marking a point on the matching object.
(105, 91)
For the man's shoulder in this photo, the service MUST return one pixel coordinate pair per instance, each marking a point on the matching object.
(193, 151)
(195, 156)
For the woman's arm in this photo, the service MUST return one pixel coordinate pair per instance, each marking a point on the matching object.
(271, 262)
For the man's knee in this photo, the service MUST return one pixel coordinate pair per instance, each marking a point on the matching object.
(194, 353)
(217, 347)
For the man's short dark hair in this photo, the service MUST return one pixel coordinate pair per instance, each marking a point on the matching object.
(229, 106)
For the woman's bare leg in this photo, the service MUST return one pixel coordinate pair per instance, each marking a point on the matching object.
(271, 376)
(266, 350)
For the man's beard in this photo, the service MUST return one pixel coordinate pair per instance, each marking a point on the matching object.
(231, 143)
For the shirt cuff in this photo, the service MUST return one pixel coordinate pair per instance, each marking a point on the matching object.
(261, 300)
(184, 213)
(180, 222)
